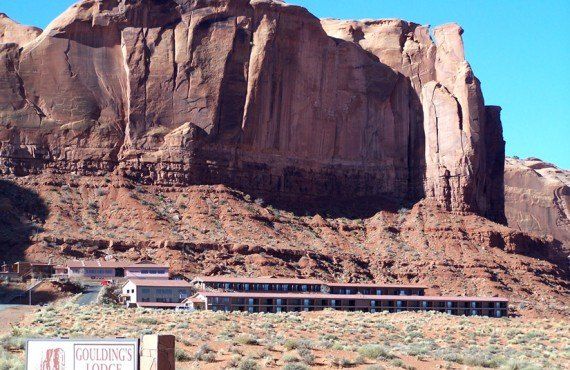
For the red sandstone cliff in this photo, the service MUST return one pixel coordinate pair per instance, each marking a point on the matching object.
(258, 95)
(537, 198)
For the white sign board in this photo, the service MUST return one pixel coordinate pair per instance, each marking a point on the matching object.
(67, 354)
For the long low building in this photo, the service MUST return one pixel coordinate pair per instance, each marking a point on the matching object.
(248, 284)
(291, 302)
(100, 269)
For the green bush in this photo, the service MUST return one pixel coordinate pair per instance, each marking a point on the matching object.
(375, 351)
(483, 361)
(306, 355)
(205, 353)
(295, 366)
(10, 362)
(147, 320)
(340, 362)
(247, 340)
(291, 344)
(290, 358)
(519, 365)
(13, 343)
(248, 364)
(181, 355)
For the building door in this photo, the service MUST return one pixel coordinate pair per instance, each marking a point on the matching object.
(120, 272)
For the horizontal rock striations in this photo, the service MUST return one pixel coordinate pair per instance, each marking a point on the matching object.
(256, 94)
(537, 198)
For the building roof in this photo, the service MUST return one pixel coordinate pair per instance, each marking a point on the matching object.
(193, 300)
(32, 263)
(161, 283)
(112, 264)
(375, 285)
(256, 280)
(349, 296)
(158, 304)
(270, 280)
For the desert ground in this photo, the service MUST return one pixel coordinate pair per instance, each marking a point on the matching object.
(311, 340)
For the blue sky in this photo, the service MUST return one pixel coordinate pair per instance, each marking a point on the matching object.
(519, 49)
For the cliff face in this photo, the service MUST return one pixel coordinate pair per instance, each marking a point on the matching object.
(537, 198)
(258, 95)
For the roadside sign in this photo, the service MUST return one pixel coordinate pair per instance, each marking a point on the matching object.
(82, 354)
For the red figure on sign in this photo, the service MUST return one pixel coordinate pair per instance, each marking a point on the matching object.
(54, 359)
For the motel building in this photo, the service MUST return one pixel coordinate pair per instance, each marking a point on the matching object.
(100, 269)
(219, 293)
(157, 293)
(296, 302)
(244, 284)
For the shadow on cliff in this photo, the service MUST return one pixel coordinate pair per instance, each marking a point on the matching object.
(22, 212)
(333, 207)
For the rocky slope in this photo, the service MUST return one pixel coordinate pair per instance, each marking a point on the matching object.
(218, 230)
(537, 198)
(258, 95)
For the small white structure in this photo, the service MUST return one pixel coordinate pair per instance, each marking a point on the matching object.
(159, 293)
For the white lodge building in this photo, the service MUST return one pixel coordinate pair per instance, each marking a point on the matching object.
(159, 293)
(98, 269)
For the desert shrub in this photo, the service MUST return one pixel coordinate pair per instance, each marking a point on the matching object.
(375, 367)
(483, 360)
(290, 358)
(205, 353)
(306, 355)
(397, 362)
(340, 362)
(13, 343)
(291, 344)
(147, 320)
(248, 364)
(10, 362)
(247, 340)
(295, 366)
(453, 357)
(519, 365)
(375, 351)
(181, 355)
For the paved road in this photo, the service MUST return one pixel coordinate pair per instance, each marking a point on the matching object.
(5, 306)
(90, 295)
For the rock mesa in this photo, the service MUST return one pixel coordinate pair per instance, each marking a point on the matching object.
(258, 94)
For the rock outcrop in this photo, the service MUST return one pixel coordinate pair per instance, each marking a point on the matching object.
(257, 95)
(537, 198)
(13, 32)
